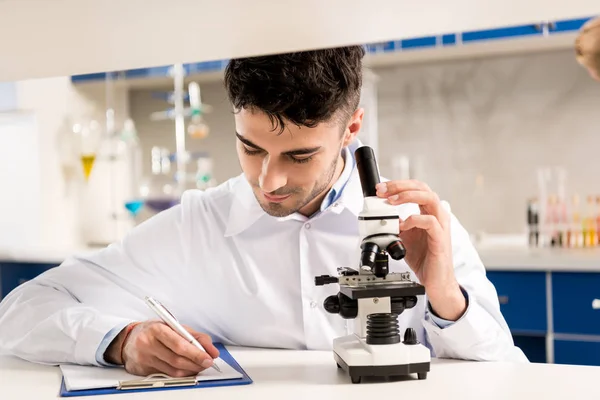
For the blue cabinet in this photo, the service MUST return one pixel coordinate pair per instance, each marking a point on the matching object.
(575, 323)
(533, 346)
(12, 274)
(522, 297)
(578, 352)
(572, 296)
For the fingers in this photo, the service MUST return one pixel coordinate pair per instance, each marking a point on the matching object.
(153, 346)
(166, 368)
(428, 223)
(180, 346)
(206, 342)
(392, 187)
(412, 191)
(419, 197)
(175, 360)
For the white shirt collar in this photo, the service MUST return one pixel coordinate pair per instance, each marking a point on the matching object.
(337, 188)
(245, 209)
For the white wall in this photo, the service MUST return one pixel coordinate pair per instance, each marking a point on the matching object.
(475, 130)
(480, 128)
(72, 212)
(20, 180)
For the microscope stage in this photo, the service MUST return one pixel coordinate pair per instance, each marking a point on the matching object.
(392, 289)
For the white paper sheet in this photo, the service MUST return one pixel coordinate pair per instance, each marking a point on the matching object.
(79, 377)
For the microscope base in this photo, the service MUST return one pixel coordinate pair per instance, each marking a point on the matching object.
(359, 359)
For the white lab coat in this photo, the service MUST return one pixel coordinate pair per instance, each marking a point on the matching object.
(225, 267)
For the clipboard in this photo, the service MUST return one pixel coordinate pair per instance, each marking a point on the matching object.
(158, 382)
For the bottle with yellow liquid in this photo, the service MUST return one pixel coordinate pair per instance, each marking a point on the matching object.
(87, 139)
(590, 221)
(598, 221)
(87, 163)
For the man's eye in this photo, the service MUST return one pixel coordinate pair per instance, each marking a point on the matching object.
(251, 152)
(301, 160)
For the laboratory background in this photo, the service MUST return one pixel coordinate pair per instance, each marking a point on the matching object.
(502, 123)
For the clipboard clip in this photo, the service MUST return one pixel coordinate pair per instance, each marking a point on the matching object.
(157, 381)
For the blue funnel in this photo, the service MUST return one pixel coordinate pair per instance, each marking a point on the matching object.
(134, 206)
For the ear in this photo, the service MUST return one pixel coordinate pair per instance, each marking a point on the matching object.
(353, 127)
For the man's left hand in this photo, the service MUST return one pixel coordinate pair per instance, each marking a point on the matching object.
(426, 237)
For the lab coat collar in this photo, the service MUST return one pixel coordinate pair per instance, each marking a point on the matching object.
(352, 197)
(245, 209)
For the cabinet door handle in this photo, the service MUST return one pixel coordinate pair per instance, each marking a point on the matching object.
(504, 300)
(596, 304)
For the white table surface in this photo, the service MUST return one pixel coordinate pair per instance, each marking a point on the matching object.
(284, 374)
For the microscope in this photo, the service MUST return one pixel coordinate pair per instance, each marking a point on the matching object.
(372, 296)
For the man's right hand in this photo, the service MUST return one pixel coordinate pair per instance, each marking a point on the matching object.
(153, 347)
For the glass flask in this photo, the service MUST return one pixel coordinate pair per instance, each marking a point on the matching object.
(159, 190)
(134, 201)
(87, 142)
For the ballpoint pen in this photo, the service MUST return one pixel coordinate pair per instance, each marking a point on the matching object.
(170, 320)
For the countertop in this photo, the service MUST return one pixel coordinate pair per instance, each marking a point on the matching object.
(313, 374)
(540, 259)
(44, 255)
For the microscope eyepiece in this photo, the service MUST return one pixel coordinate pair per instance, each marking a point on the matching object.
(367, 170)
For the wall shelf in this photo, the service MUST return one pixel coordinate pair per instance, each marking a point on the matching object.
(545, 36)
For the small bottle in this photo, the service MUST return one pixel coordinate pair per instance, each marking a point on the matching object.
(561, 222)
(590, 223)
(533, 222)
(576, 231)
(551, 221)
(597, 220)
(567, 226)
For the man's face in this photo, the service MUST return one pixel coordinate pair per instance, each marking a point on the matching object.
(293, 170)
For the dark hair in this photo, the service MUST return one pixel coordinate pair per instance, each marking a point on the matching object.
(304, 88)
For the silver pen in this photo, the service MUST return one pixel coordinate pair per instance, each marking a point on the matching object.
(170, 320)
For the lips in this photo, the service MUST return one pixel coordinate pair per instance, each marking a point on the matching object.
(275, 199)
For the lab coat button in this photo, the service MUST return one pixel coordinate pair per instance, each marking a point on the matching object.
(307, 225)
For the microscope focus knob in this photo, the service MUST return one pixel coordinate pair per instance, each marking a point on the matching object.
(410, 301)
(410, 336)
(332, 304)
(342, 305)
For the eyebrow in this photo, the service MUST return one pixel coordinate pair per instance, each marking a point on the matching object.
(295, 152)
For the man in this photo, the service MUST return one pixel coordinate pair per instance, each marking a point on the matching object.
(587, 47)
(236, 264)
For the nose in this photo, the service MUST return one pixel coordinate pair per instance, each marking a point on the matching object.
(272, 176)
